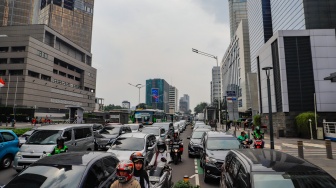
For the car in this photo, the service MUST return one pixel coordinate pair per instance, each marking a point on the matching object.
(78, 137)
(194, 147)
(106, 136)
(24, 137)
(177, 129)
(202, 126)
(129, 143)
(67, 170)
(183, 124)
(271, 168)
(159, 132)
(164, 125)
(135, 127)
(9, 144)
(215, 146)
(97, 127)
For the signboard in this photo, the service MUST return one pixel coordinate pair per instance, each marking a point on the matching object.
(140, 115)
(155, 95)
(114, 116)
(231, 93)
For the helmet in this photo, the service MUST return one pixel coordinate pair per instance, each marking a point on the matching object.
(257, 128)
(125, 166)
(60, 140)
(137, 156)
(161, 146)
(171, 125)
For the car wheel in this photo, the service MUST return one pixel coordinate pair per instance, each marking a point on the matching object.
(6, 161)
(206, 179)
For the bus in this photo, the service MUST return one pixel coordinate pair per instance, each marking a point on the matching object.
(148, 116)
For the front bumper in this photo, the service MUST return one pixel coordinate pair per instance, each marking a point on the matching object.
(213, 170)
(196, 151)
(23, 162)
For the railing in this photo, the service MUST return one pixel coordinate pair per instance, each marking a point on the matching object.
(329, 129)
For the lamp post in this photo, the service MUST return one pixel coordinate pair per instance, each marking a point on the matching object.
(219, 95)
(311, 131)
(139, 86)
(268, 72)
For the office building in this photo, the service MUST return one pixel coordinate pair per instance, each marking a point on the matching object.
(99, 105)
(157, 94)
(71, 18)
(126, 104)
(44, 70)
(301, 61)
(260, 27)
(215, 85)
(235, 68)
(184, 103)
(173, 99)
(237, 11)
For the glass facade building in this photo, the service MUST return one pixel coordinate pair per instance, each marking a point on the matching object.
(157, 94)
(260, 27)
(237, 11)
(71, 18)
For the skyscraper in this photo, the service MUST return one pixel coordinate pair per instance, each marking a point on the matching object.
(157, 94)
(173, 99)
(71, 18)
(184, 103)
(237, 11)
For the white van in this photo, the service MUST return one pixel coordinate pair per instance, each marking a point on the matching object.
(78, 137)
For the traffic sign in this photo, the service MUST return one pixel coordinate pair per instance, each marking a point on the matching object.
(231, 93)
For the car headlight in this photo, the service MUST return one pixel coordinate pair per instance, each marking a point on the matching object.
(18, 154)
(210, 160)
(44, 155)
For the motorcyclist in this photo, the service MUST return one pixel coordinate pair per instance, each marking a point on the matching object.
(139, 173)
(171, 130)
(125, 178)
(178, 140)
(257, 134)
(60, 147)
(161, 156)
(244, 137)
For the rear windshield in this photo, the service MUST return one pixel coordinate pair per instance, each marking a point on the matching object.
(222, 144)
(44, 137)
(48, 176)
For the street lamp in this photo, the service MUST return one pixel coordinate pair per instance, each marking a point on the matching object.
(268, 72)
(139, 86)
(219, 95)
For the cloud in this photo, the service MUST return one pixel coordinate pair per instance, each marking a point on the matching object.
(138, 40)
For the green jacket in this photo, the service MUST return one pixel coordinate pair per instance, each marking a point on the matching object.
(257, 135)
(242, 138)
(58, 151)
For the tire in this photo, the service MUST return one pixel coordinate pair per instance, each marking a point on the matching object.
(18, 171)
(6, 161)
(175, 160)
(190, 156)
(205, 178)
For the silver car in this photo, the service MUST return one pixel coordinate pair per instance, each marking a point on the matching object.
(129, 143)
(78, 137)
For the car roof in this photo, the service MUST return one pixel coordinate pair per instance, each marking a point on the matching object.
(215, 134)
(152, 127)
(62, 126)
(201, 130)
(135, 135)
(73, 158)
(266, 160)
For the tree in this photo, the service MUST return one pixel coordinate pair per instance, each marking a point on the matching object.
(112, 107)
(200, 107)
(302, 122)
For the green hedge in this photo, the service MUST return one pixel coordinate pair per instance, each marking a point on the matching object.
(302, 123)
(257, 120)
(182, 184)
(18, 132)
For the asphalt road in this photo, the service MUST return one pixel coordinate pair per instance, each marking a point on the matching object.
(6, 175)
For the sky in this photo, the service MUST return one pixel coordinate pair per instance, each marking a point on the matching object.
(136, 40)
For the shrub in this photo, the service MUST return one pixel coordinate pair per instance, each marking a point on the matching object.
(18, 132)
(257, 120)
(302, 123)
(182, 184)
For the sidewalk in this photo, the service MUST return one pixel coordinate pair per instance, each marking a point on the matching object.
(314, 150)
(20, 125)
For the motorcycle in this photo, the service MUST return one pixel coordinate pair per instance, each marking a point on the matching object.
(258, 143)
(245, 144)
(176, 151)
(160, 176)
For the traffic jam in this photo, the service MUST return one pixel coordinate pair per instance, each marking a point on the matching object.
(148, 155)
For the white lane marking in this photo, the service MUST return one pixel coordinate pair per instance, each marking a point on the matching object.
(196, 179)
(314, 145)
(196, 174)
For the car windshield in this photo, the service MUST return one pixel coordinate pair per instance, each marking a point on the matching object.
(110, 130)
(134, 127)
(197, 135)
(48, 176)
(293, 180)
(44, 137)
(222, 144)
(129, 144)
(156, 132)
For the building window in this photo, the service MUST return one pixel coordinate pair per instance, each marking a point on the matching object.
(45, 77)
(55, 71)
(33, 74)
(18, 49)
(16, 72)
(2, 72)
(3, 60)
(62, 73)
(240, 103)
(16, 60)
(4, 49)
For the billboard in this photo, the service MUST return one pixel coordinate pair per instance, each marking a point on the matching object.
(155, 95)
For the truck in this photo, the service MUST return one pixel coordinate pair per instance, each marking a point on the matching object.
(200, 117)
(210, 116)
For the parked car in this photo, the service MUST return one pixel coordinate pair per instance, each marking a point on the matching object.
(216, 145)
(97, 127)
(194, 146)
(128, 143)
(9, 146)
(78, 137)
(159, 132)
(135, 127)
(24, 137)
(270, 168)
(68, 170)
(201, 126)
(106, 136)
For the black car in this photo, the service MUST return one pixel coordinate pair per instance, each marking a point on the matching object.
(69, 170)
(216, 145)
(194, 146)
(247, 168)
(106, 136)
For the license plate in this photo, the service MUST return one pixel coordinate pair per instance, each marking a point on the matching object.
(154, 178)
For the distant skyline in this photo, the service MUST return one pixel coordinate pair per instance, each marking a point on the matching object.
(138, 40)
